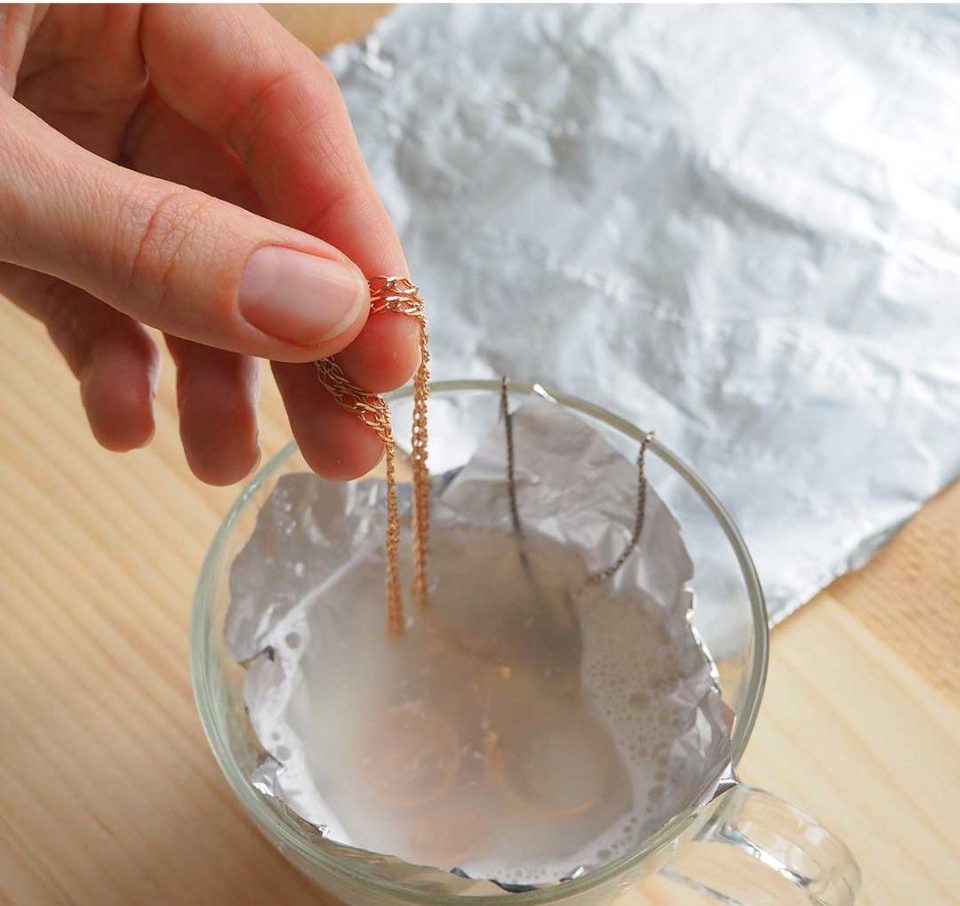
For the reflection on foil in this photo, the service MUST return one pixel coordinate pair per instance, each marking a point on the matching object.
(612, 670)
(736, 225)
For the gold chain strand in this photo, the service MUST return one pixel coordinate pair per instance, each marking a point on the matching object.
(396, 294)
(372, 411)
(421, 476)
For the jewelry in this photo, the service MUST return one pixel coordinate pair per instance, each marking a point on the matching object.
(400, 295)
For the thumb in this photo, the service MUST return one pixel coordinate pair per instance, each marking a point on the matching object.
(174, 258)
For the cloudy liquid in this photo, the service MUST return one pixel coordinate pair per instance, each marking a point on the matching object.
(506, 733)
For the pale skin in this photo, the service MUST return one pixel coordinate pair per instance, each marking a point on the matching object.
(193, 169)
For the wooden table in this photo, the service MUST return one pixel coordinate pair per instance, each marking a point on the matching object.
(109, 795)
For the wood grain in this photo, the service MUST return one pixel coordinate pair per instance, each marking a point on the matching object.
(109, 794)
(853, 734)
(910, 595)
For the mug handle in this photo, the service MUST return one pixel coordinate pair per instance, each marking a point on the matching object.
(757, 850)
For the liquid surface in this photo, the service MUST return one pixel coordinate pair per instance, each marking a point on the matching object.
(521, 727)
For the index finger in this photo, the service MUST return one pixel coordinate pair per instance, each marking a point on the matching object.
(240, 76)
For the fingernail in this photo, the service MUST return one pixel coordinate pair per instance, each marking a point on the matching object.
(300, 298)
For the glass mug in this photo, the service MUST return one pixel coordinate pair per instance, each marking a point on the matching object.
(745, 847)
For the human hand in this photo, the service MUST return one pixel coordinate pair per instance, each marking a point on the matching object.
(173, 166)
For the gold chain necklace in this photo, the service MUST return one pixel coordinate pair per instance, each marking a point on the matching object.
(397, 294)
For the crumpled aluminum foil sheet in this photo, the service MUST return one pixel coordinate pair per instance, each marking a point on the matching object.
(309, 582)
(737, 226)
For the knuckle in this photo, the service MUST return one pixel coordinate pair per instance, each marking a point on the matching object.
(244, 127)
(162, 231)
(300, 98)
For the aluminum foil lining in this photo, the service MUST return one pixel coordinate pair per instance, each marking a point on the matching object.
(739, 225)
(307, 594)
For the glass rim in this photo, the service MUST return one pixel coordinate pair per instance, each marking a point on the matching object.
(283, 832)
